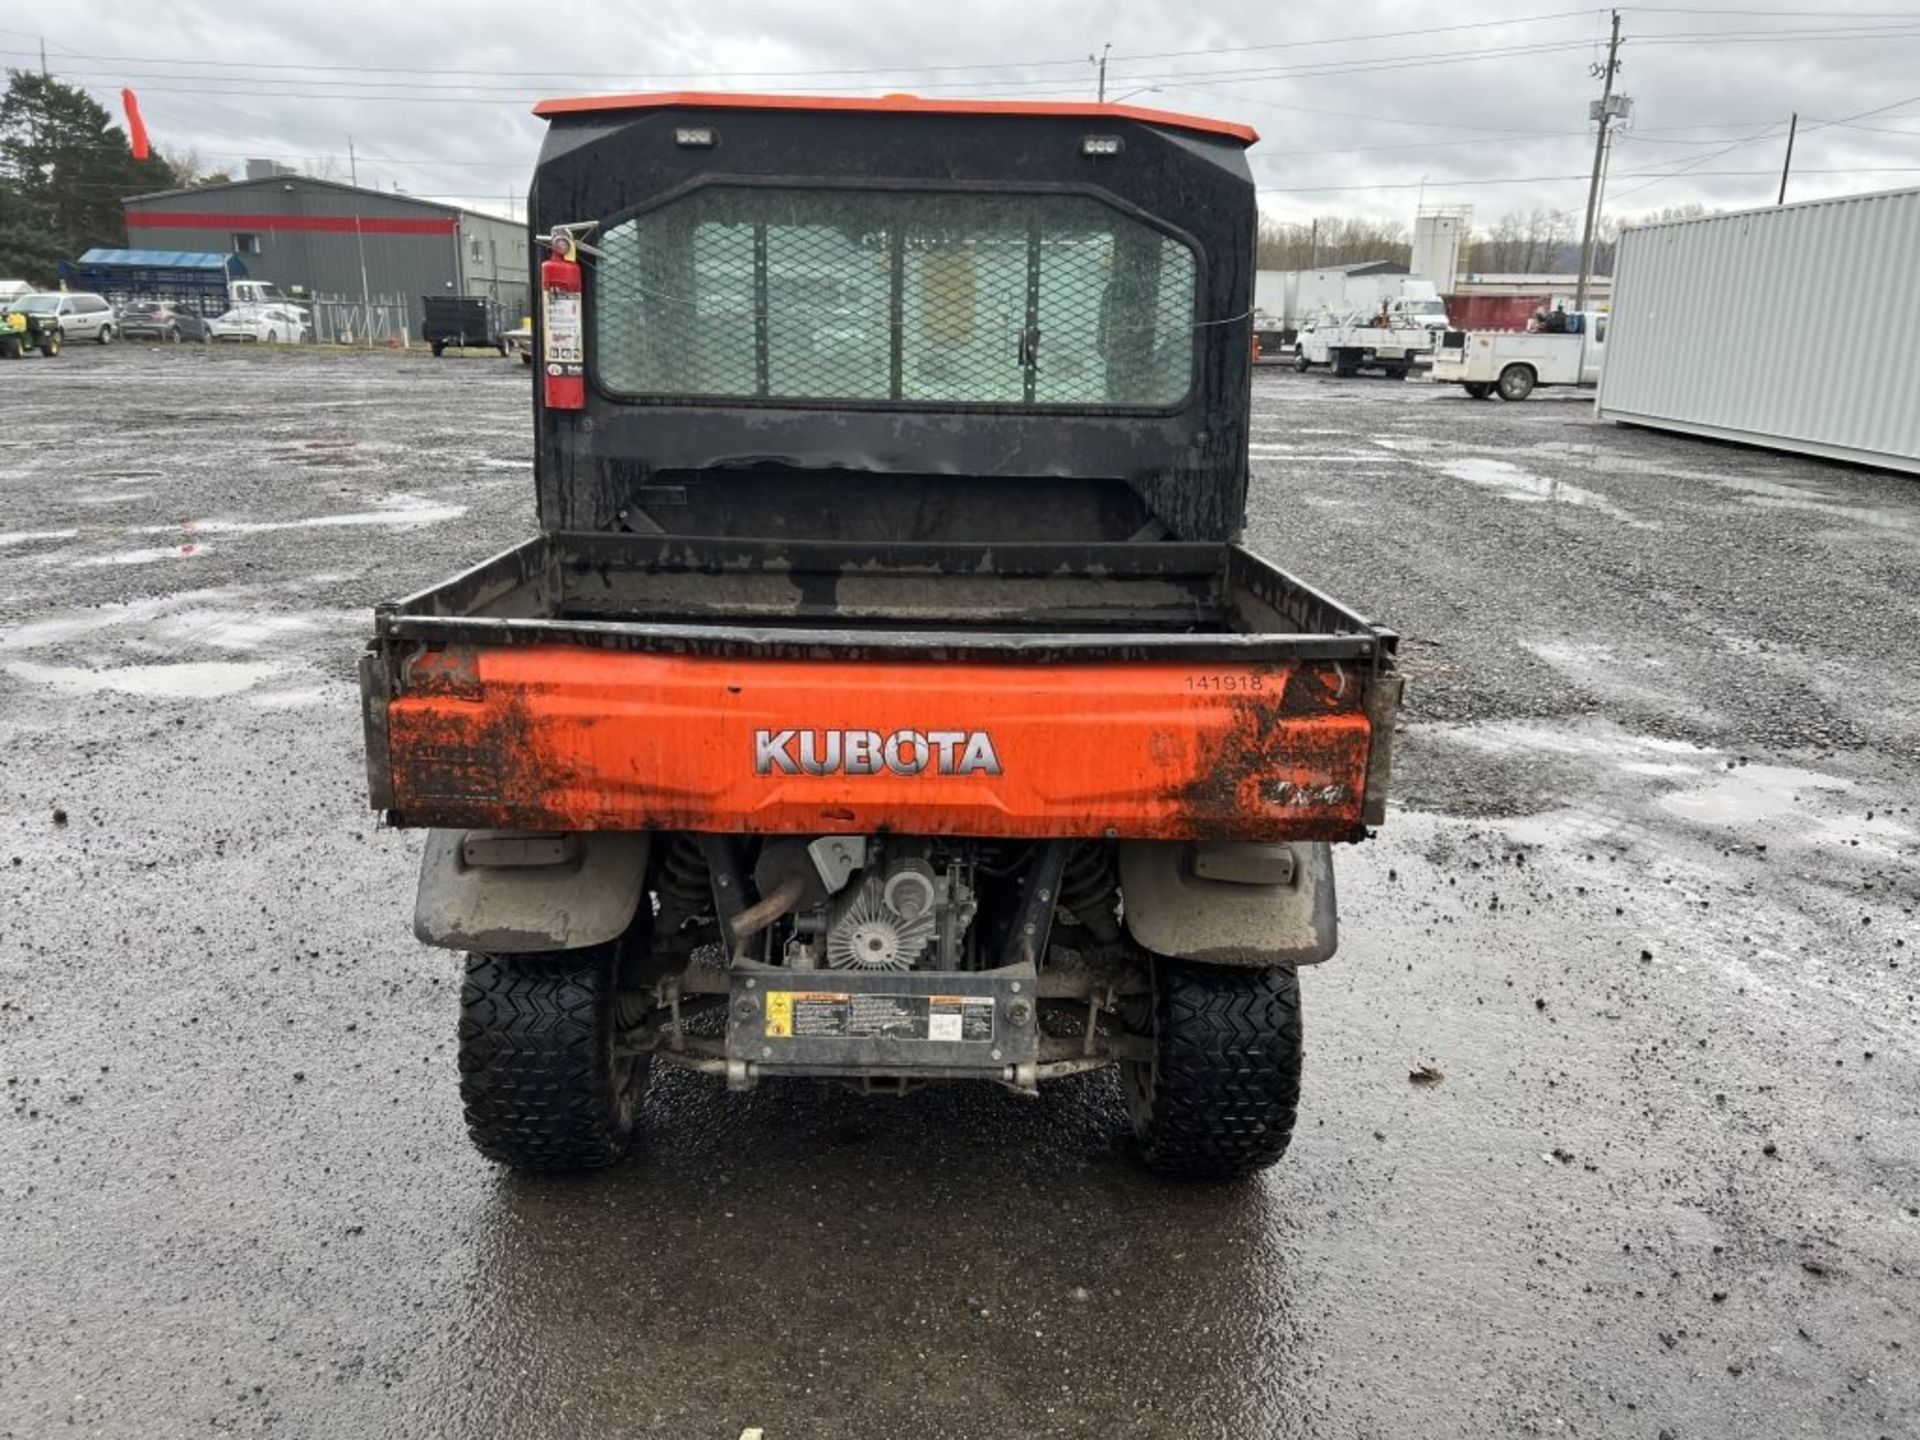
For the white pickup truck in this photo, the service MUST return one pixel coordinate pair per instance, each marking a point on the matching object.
(1512, 364)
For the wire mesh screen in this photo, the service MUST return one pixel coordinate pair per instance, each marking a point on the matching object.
(737, 292)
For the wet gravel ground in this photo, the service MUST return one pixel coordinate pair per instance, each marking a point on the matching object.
(1647, 905)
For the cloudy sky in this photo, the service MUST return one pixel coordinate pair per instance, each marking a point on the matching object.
(1366, 106)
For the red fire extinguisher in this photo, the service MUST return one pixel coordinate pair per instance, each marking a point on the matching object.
(564, 353)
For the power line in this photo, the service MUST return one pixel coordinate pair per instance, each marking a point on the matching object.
(1752, 139)
(1765, 132)
(1556, 179)
(1207, 76)
(1776, 14)
(316, 88)
(630, 76)
(1360, 39)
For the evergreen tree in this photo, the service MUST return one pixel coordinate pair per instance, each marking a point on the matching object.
(64, 169)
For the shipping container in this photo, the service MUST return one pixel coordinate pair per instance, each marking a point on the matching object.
(1793, 327)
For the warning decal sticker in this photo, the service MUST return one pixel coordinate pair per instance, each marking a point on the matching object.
(960, 1017)
(798, 1014)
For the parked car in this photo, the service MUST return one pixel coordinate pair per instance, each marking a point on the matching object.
(269, 324)
(161, 320)
(78, 316)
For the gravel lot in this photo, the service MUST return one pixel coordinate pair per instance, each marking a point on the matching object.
(1648, 902)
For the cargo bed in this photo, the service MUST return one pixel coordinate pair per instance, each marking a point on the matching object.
(622, 682)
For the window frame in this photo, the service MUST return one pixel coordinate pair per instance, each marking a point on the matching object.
(1184, 238)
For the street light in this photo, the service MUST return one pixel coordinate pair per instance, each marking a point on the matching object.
(1143, 90)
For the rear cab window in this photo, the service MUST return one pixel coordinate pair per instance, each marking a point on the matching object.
(894, 297)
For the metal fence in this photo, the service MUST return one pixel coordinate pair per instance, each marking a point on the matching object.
(349, 320)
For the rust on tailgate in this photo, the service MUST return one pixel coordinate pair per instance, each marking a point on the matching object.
(577, 738)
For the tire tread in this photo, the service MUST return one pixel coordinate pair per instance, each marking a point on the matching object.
(1226, 1092)
(534, 1081)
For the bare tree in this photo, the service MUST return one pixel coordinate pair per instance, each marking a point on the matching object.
(1330, 240)
(186, 164)
(1532, 244)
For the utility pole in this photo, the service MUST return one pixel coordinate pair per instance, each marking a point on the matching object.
(353, 165)
(43, 58)
(1599, 156)
(1313, 244)
(1786, 166)
(1101, 61)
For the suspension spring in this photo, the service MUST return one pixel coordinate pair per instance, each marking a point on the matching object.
(1088, 887)
(683, 884)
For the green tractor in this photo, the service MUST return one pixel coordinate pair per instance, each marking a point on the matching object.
(21, 332)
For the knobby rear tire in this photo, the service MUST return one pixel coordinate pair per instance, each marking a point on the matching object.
(542, 1087)
(1219, 1098)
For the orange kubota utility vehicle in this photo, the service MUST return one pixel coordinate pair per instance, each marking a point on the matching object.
(885, 697)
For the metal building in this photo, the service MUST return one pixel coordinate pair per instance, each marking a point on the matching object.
(1790, 327)
(328, 239)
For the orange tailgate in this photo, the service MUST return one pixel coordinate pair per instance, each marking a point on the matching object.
(567, 737)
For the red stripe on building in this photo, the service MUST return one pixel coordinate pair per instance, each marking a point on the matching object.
(328, 224)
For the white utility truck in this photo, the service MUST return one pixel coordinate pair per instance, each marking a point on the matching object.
(1566, 350)
(1285, 302)
(1393, 338)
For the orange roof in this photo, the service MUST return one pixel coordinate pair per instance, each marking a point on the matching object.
(893, 105)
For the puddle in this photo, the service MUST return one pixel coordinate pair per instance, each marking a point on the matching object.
(1361, 458)
(294, 699)
(1792, 500)
(28, 537)
(149, 556)
(1605, 671)
(1781, 806)
(1609, 744)
(194, 680)
(401, 511)
(238, 630)
(1785, 800)
(1752, 794)
(1518, 484)
(166, 624)
(59, 628)
(1753, 490)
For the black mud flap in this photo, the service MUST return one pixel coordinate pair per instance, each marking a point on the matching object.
(884, 1025)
